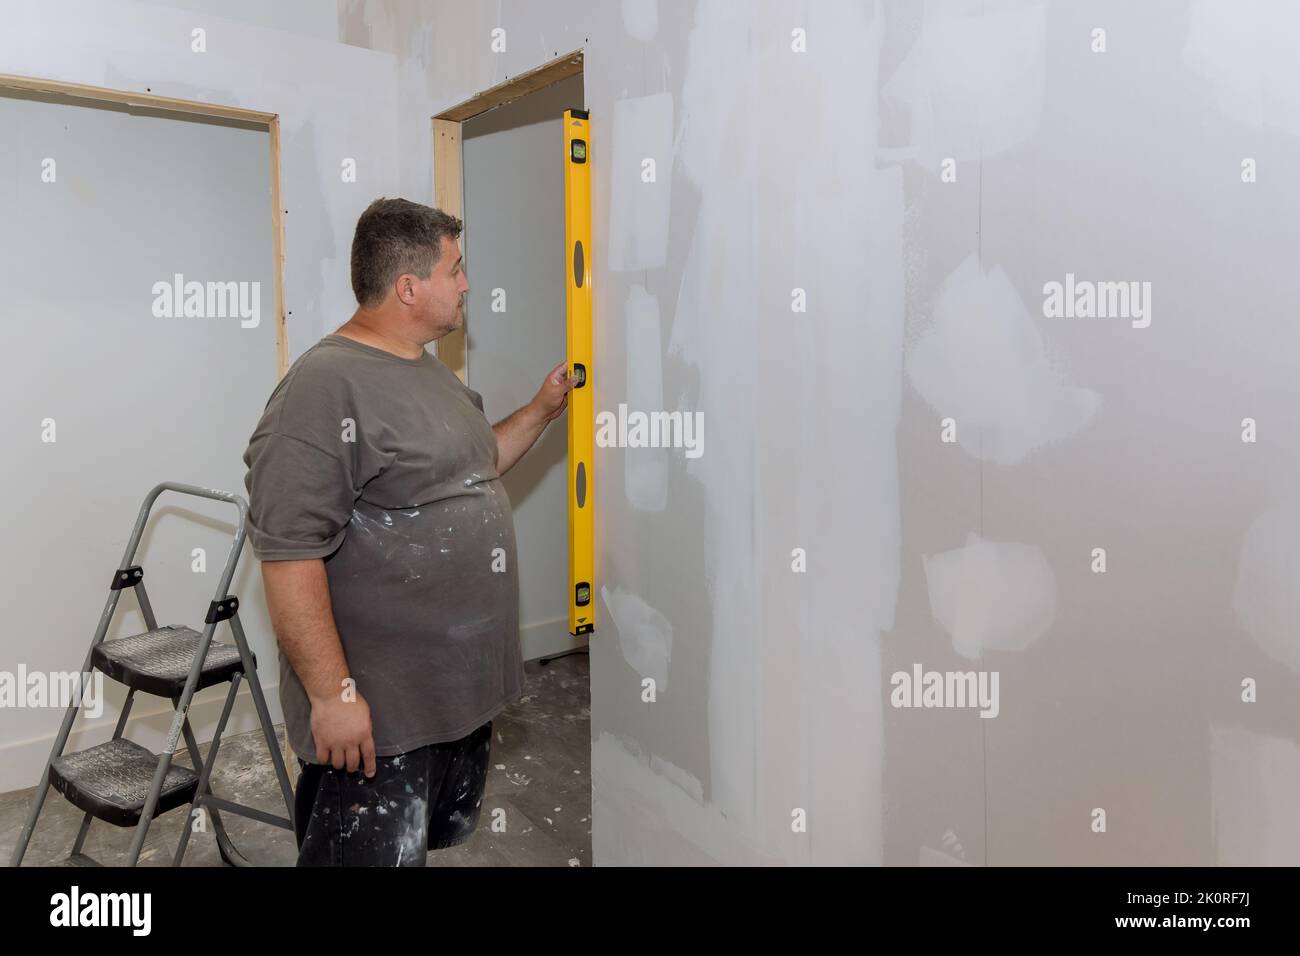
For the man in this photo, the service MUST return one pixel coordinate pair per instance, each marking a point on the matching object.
(388, 555)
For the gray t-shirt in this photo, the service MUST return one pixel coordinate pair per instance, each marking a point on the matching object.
(386, 468)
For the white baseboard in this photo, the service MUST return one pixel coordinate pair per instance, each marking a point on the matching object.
(548, 637)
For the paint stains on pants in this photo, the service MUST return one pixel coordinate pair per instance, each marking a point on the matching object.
(425, 799)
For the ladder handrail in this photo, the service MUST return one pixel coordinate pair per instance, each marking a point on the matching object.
(237, 546)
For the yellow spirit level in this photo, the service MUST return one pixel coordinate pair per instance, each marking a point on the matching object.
(582, 411)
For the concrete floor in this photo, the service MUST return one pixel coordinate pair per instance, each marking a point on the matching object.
(540, 775)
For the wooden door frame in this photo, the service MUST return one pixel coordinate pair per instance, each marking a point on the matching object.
(448, 182)
(166, 104)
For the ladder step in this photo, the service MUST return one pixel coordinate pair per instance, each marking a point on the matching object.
(111, 781)
(159, 661)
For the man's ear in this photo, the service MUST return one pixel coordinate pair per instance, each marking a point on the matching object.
(405, 289)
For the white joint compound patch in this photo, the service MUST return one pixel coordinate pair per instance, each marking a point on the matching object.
(975, 79)
(645, 470)
(1254, 781)
(1247, 51)
(638, 205)
(991, 596)
(983, 363)
(1266, 597)
(644, 635)
(645, 812)
(641, 19)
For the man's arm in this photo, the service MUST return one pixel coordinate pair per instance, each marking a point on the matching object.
(516, 433)
(298, 597)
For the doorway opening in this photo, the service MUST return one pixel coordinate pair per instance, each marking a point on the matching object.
(499, 164)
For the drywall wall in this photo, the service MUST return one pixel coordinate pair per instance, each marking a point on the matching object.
(1152, 163)
(844, 254)
(513, 244)
(335, 104)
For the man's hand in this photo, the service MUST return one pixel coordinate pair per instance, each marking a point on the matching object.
(553, 397)
(341, 729)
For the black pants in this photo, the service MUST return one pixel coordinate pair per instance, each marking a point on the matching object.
(423, 800)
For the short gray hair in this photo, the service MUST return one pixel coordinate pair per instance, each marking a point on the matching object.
(396, 236)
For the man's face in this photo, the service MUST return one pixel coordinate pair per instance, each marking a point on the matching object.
(441, 300)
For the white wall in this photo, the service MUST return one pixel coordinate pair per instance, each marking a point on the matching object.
(823, 171)
(108, 399)
(334, 102)
(514, 242)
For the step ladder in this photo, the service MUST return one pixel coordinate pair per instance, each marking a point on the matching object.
(123, 783)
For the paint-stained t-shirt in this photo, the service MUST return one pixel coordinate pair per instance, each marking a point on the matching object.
(386, 467)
